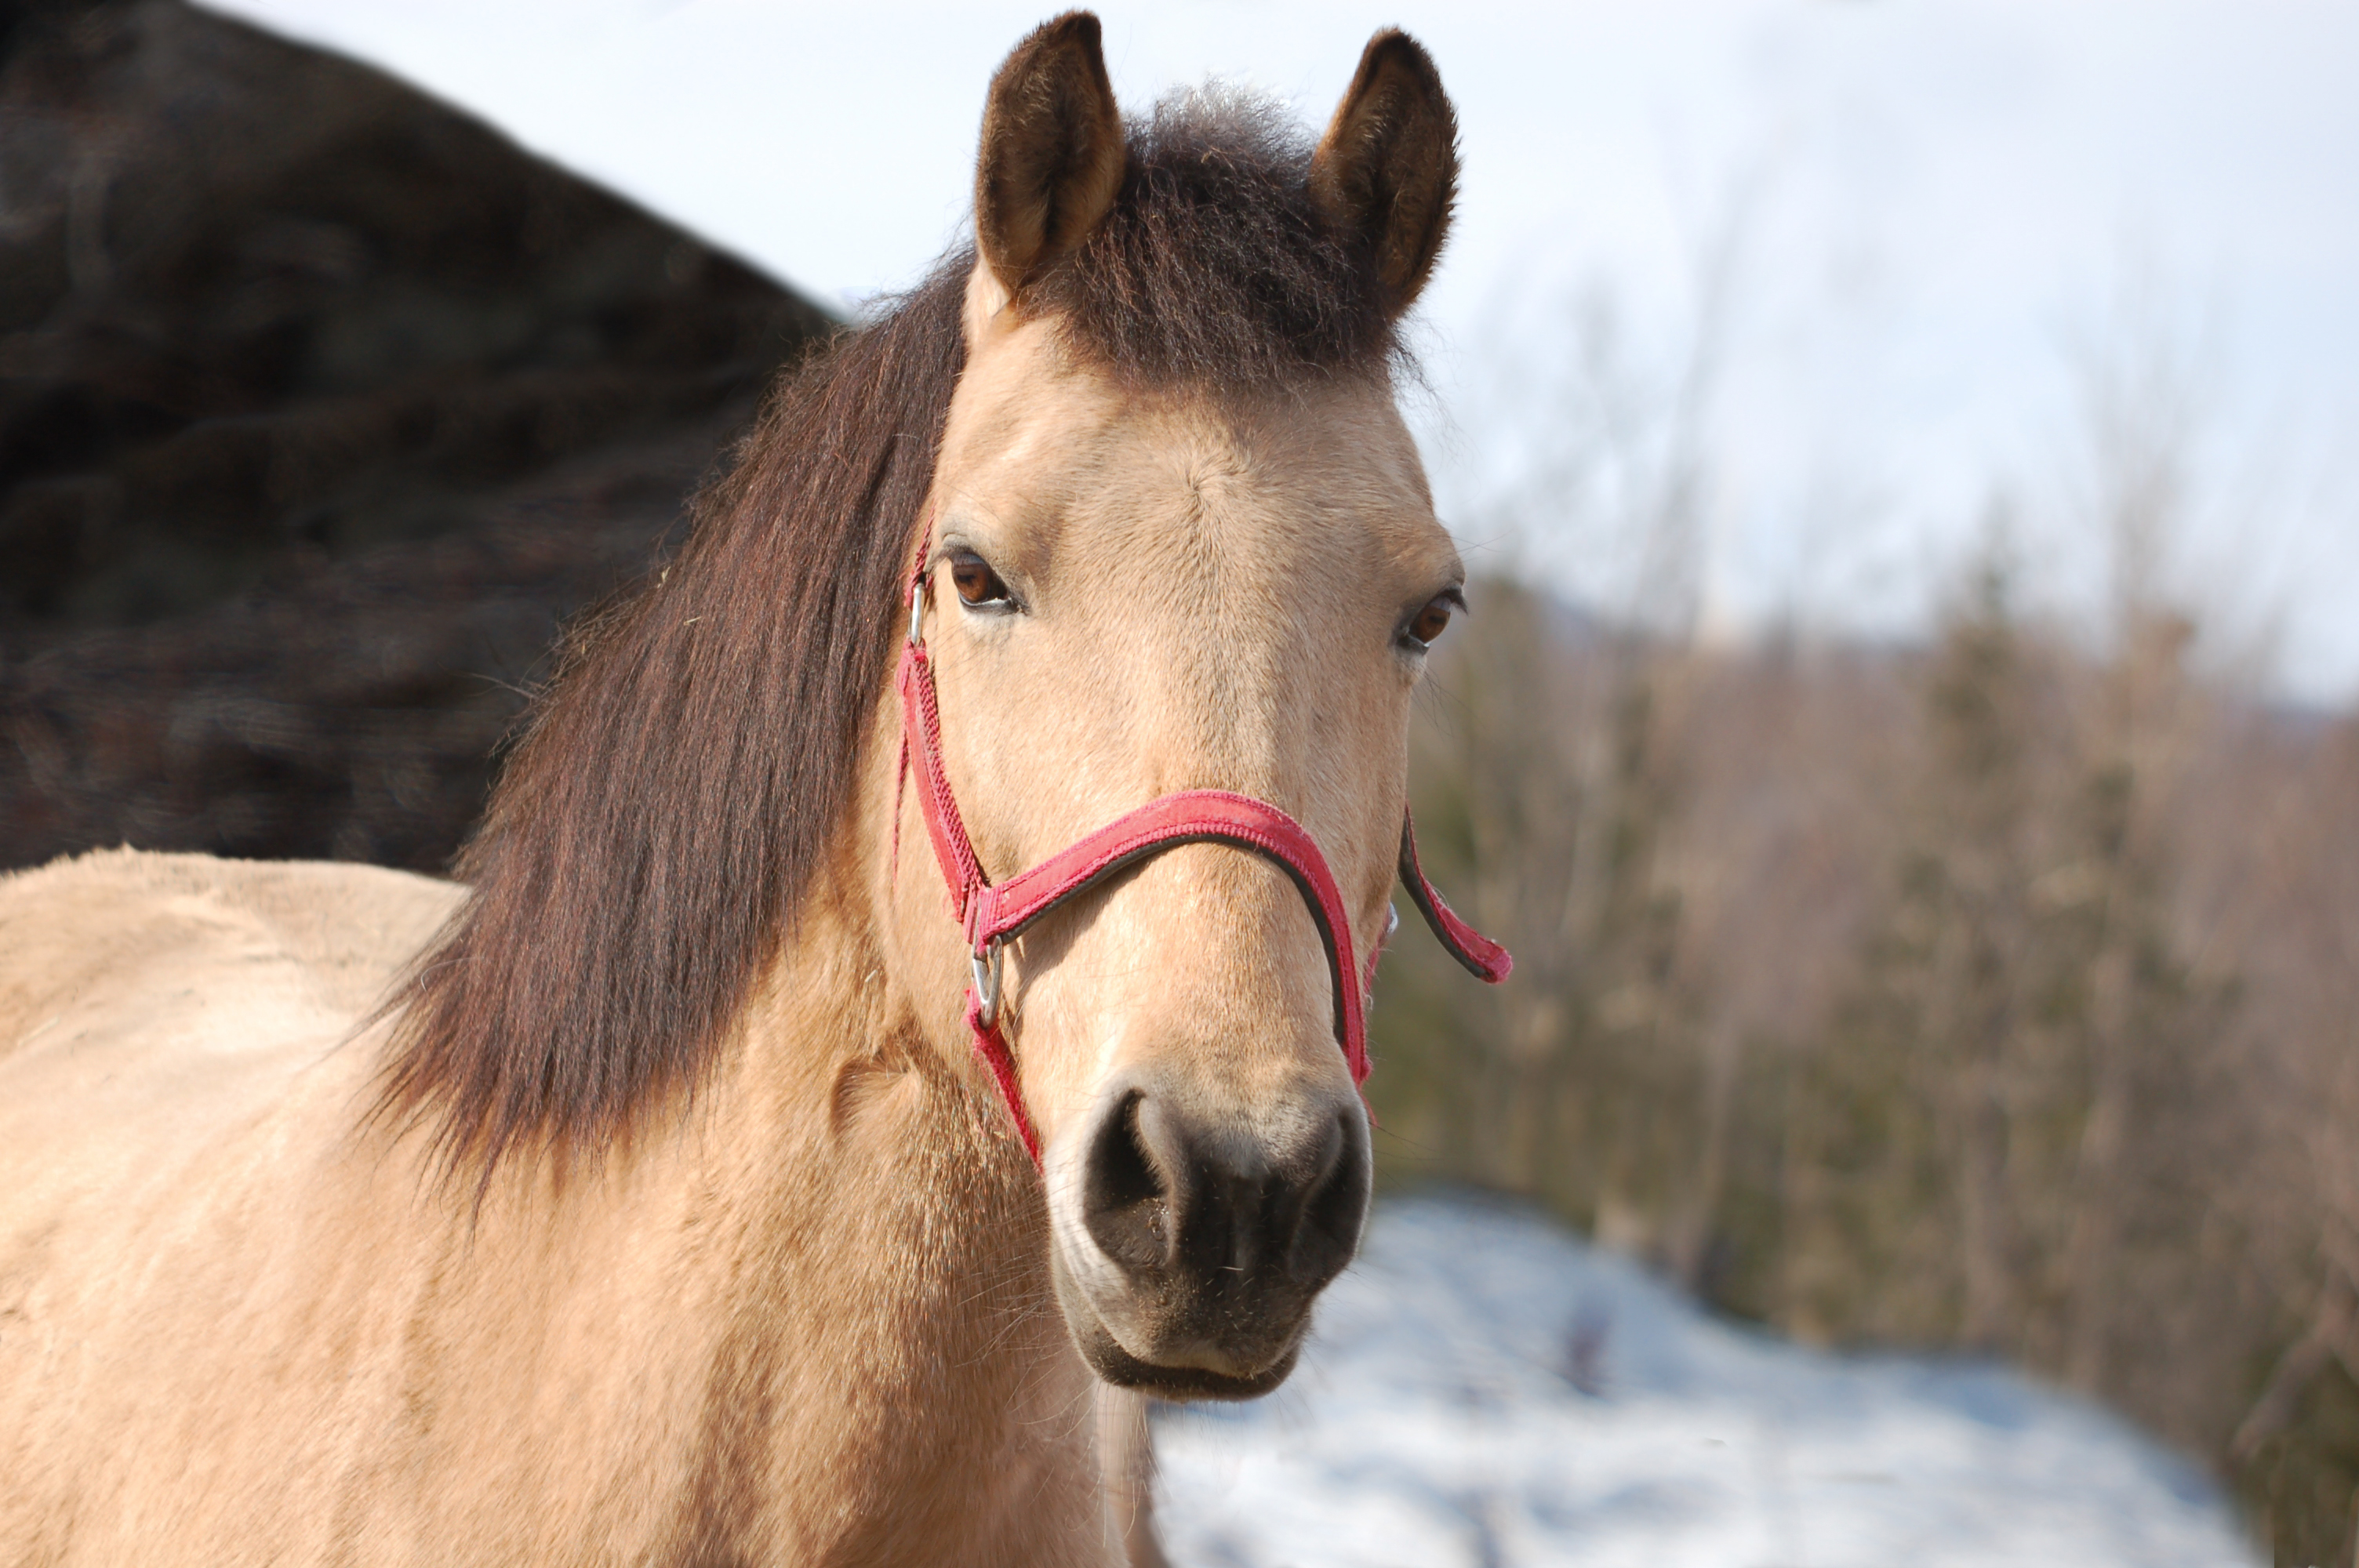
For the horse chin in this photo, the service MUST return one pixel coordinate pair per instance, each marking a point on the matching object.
(1237, 1372)
(1180, 1384)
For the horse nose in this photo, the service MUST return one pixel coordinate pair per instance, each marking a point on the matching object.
(1230, 1233)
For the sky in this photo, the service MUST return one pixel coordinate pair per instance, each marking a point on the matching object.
(1863, 267)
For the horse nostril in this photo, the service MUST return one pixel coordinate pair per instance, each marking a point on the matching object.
(1126, 1203)
(1328, 1231)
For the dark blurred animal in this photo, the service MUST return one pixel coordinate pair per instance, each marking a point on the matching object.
(664, 1213)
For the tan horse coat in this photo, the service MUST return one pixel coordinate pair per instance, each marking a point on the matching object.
(191, 1012)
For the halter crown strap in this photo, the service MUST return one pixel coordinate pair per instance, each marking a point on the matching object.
(994, 914)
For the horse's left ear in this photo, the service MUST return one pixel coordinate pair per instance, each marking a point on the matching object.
(1052, 154)
(1386, 170)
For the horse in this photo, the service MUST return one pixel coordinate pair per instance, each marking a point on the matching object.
(901, 1009)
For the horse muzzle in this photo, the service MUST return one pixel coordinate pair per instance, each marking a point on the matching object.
(1189, 1251)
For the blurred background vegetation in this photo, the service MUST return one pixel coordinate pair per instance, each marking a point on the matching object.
(1995, 994)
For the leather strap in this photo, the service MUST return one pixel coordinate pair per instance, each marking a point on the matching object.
(1190, 816)
(993, 914)
(1482, 959)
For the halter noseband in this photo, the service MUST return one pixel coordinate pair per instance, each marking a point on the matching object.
(994, 914)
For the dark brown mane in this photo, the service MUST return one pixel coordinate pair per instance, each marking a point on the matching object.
(682, 780)
(1215, 267)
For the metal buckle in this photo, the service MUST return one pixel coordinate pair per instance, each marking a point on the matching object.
(986, 982)
(917, 613)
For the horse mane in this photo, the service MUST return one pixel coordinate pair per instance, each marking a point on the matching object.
(682, 783)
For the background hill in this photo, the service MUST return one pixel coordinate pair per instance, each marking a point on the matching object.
(321, 405)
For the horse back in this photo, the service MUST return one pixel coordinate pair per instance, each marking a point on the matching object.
(125, 942)
(177, 1070)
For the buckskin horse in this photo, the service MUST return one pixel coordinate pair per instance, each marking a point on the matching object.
(903, 1005)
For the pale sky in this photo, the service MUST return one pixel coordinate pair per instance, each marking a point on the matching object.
(1940, 208)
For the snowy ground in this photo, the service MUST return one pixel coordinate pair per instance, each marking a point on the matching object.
(1485, 1390)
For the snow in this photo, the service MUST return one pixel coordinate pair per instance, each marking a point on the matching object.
(1484, 1388)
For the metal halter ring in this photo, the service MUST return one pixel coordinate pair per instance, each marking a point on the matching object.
(986, 982)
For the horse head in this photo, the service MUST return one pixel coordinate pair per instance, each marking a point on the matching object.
(1178, 539)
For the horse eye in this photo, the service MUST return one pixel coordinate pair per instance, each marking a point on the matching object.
(1431, 620)
(977, 584)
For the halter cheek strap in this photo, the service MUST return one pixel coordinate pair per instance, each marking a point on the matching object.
(993, 914)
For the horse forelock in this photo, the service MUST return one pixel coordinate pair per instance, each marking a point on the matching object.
(1216, 267)
(683, 782)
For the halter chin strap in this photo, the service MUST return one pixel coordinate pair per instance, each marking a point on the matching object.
(994, 914)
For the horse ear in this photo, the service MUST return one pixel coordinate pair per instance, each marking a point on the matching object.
(1052, 151)
(1386, 170)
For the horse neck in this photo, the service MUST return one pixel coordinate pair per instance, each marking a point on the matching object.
(814, 1301)
(883, 1342)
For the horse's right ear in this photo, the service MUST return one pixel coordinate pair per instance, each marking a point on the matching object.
(1052, 151)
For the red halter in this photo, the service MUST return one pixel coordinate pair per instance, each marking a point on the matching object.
(993, 914)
